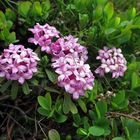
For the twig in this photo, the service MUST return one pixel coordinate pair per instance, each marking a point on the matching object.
(14, 107)
(20, 110)
(133, 108)
(13, 2)
(4, 97)
(9, 128)
(3, 121)
(36, 128)
(42, 128)
(21, 132)
(10, 6)
(119, 114)
(3, 4)
(15, 121)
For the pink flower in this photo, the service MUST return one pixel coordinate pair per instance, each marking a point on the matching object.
(112, 60)
(75, 76)
(68, 58)
(68, 45)
(43, 35)
(18, 63)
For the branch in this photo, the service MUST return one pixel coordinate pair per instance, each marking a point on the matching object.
(119, 114)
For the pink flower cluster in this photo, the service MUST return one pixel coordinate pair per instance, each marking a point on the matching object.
(112, 60)
(74, 75)
(43, 36)
(18, 63)
(68, 58)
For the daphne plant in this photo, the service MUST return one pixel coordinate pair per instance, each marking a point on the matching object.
(71, 102)
(113, 61)
(68, 58)
(18, 63)
(43, 36)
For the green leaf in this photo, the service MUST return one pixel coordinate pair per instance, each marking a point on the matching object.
(124, 104)
(97, 13)
(53, 135)
(5, 33)
(73, 108)
(11, 37)
(98, 111)
(24, 7)
(50, 113)
(77, 119)
(134, 66)
(68, 105)
(60, 118)
(85, 121)
(93, 92)
(49, 100)
(9, 24)
(2, 18)
(109, 10)
(96, 131)
(44, 102)
(14, 90)
(124, 36)
(107, 132)
(109, 31)
(117, 21)
(25, 88)
(91, 33)
(82, 131)
(118, 138)
(45, 6)
(132, 128)
(10, 15)
(84, 19)
(127, 133)
(101, 108)
(58, 104)
(102, 122)
(131, 13)
(135, 80)
(44, 61)
(38, 8)
(120, 97)
(52, 76)
(43, 111)
(82, 5)
(101, 2)
(50, 89)
(5, 86)
(137, 21)
(82, 105)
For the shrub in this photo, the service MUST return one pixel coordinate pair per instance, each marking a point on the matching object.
(102, 107)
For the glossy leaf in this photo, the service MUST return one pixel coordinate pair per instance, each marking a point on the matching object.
(45, 102)
(109, 10)
(5, 86)
(24, 7)
(118, 138)
(52, 76)
(82, 105)
(96, 131)
(68, 105)
(14, 90)
(135, 81)
(53, 134)
(25, 88)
